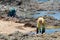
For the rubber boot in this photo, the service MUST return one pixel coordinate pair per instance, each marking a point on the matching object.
(42, 30)
(37, 31)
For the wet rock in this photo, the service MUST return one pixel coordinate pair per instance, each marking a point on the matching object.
(53, 36)
(5, 37)
(51, 13)
(20, 36)
(57, 23)
(27, 20)
(22, 21)
(19, 2)
(29, 25)
(17, 21)
(17, 33)
(1, 36)
(50, 20)
(12, 38)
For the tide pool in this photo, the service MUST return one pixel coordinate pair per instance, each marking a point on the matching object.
(48, 31)
(42, 13)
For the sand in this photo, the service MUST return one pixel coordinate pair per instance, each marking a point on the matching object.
(9, 27)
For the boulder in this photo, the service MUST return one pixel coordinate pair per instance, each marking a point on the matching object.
(29, 25)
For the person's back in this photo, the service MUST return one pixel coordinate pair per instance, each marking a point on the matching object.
(12, 12)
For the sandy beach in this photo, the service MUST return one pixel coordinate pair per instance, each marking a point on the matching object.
(10, 27)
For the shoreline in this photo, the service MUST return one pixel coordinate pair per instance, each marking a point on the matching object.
(20, 36)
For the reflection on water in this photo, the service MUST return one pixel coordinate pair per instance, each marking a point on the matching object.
(47, 0)
(48, 31)
(52, 29)
(42, 13)
(42, 0)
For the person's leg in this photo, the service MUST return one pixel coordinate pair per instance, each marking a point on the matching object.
(9, 14)
(37, 30)
(42, 30)
(13, 13)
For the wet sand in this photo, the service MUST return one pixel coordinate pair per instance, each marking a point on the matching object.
(9, 27)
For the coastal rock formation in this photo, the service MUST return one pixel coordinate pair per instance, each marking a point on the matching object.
(33, 5)
(20, 36)
(50, 20)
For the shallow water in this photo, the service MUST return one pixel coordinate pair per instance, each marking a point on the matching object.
(48, 31)
(42, 0)
(47, 0)
(42, 13)
(56, 15)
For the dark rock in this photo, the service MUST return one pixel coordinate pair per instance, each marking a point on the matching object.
(29, 25)
(16, 33)
(50, 20)
(51, 13)
(19, 3)
(3, 36)
(22, 21)
(13, 38)
(18, 21)
(41, 9)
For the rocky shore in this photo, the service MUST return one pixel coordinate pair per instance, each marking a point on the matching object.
(33, 5)
(29, 8)
(50, 20)
(20, 36)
